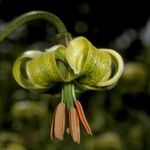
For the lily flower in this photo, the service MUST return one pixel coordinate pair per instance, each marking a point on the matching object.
(77, 67)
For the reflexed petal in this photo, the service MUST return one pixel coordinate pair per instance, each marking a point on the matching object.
(59, 121)
(82, 117)
(74, 125)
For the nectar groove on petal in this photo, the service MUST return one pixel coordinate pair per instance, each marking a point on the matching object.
(82, 117)
(74, 125)
(59, 122)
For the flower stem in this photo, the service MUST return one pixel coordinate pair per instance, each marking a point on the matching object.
(33, 15)
(67, 94)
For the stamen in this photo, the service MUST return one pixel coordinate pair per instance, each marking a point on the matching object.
(74, 125)
(82, 117)
(59, 124)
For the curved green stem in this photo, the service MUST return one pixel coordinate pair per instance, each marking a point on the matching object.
(33, 15)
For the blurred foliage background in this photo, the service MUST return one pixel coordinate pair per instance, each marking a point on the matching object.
(120, 118)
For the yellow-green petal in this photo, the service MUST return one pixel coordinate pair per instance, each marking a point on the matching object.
(17, 69)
